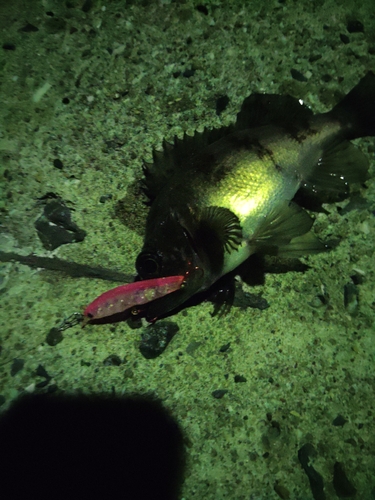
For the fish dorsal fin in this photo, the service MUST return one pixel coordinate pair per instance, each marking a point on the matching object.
(176, 156)
(284, 111)
(257, 110)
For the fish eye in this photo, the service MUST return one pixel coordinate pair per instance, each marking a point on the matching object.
(147, 264)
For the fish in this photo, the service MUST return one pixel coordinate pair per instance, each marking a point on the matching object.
(221, 196)
(129, 297)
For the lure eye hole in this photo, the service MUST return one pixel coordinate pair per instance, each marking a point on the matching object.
(147, 265)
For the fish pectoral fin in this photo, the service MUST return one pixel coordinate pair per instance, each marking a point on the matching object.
(302, 245)
(223, 225)
(283, 224)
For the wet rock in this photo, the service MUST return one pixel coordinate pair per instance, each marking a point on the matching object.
(225, 347)
(156, 338)
(344, 38)
(9, 46)
(29, 28)
(297, 75)
(339, 421)
(355, 26)
(219, 393)
(54, 337)
(55, 227)
(57, 163)
(343, 487)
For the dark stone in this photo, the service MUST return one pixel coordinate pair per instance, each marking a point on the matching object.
(224, 347)
(87, 5)
(355, 26)
(55, 227)
(221, 104)
(341, 484)
(315, 57)
(105, 197)
(358, 279)
(16, 366)
(65, 100)
(239, 378)
(297, 75)
(202, 9)
(29, 28)
(344, 38)
(339, 421)
(326, 78)
(42, 372)
(188, 73)
(54, 337)
(219, 393)
(9, 46)
(112, 360)
(58, 164)
(156, 338)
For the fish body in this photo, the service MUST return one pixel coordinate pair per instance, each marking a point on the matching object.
(223, 195)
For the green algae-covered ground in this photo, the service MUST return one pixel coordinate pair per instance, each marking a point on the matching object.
(96, 85)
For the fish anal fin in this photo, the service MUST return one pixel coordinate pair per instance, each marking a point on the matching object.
(341, 166)
(302, 245)
(281, 225)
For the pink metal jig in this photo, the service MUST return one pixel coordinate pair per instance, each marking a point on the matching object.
(124, 297)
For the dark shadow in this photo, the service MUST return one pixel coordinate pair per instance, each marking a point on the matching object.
(83, 447)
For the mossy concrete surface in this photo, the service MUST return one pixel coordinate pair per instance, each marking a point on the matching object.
(87, 90)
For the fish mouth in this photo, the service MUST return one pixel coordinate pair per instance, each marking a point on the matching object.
(167, 305)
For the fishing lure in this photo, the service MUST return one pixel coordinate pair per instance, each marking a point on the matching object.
(123, 297)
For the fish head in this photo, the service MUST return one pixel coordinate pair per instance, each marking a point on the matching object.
(169, 250)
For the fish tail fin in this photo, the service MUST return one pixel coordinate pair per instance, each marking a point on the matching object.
(357, 109)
